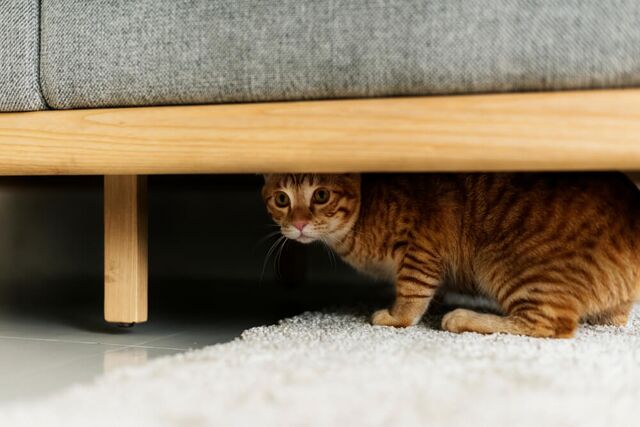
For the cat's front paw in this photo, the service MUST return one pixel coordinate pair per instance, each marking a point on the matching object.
(382, 318)
(385, 318)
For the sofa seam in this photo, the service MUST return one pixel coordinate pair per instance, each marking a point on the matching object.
(38, 62)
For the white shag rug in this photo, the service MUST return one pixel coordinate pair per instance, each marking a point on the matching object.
(334, 369)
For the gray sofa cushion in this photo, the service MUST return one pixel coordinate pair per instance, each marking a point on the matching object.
(19, 39)
(138, 52)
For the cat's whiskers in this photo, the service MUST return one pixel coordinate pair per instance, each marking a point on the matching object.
(268, 255)
(265, 238)
(329, 251)
(276, 261)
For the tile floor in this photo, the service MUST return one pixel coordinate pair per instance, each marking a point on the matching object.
(49, 343)
(39, 355)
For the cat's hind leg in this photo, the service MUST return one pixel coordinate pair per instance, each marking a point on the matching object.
(534, 323)
(532, 307)
(463, 320)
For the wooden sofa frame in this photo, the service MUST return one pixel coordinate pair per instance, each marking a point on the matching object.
(583, 130)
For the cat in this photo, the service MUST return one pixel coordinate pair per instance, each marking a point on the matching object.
(552, 249)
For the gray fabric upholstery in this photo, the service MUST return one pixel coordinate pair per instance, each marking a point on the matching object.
(131, 52)
(19, 39)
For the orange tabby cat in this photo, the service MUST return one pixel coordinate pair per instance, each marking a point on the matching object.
(551, 249)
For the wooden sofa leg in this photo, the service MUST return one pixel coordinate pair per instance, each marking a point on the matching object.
(125, 249)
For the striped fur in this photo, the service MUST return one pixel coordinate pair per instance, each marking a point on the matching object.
(551, 249)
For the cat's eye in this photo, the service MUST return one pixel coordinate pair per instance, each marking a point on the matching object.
(320, 196)
(281, 199)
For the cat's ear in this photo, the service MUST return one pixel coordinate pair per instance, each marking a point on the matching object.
(266, 176)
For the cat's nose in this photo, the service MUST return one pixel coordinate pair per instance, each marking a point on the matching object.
(300, 224)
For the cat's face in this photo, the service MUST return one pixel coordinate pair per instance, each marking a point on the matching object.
(310, 207)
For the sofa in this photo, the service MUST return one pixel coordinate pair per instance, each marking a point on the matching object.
(128, 88)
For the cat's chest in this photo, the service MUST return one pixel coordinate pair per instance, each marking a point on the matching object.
(381, 269)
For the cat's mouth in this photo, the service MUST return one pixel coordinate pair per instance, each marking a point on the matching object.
(298, 236)
(304, 239)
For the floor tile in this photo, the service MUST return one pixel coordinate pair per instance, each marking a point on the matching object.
(29, 368)
(42, 353)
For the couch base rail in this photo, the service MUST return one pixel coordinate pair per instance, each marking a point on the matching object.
(580, 130)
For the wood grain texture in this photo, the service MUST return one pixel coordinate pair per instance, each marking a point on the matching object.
(125, 249)
(533, 131)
